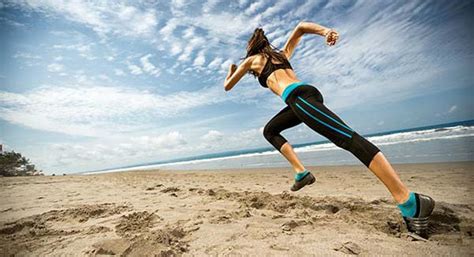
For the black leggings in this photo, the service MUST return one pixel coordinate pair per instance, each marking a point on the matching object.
(305, 104)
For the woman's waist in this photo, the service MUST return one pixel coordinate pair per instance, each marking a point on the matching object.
(291, 88)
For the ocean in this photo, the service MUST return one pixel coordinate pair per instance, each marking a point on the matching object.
(451, 142)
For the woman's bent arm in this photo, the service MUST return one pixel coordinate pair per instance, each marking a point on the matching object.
(313, 28)
(308, 28)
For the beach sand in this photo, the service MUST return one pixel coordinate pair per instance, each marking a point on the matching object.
(233, 212)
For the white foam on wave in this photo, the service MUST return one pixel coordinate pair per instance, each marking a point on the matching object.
(404, 137)
(424, 135)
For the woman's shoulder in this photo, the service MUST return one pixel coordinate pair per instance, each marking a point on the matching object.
(256, 58)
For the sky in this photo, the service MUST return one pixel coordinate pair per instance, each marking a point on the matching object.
(89, 85)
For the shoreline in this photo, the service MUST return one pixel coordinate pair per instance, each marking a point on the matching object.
(233, 211)
(315, 167)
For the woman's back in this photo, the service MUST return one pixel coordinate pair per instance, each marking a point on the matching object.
(278, 79)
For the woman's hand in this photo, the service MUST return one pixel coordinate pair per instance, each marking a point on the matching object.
(232, 68)
(331, 37)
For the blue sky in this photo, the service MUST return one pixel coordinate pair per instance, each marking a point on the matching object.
(91, 85)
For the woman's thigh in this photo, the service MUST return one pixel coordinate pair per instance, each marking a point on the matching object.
(319, 118)
(284, 119)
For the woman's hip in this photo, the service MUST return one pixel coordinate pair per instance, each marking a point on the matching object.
(303, 91)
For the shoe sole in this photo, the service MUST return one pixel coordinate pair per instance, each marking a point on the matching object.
(420, 226)
(313, 179)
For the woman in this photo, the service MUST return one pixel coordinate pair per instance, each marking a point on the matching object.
(304, 104)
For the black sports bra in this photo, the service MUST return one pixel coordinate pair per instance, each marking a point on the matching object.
(269, 68)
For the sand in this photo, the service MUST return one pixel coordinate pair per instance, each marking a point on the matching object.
(233, 212)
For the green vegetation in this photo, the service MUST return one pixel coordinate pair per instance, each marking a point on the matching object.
(14, 164)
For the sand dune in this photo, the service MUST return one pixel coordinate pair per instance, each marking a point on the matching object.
(233, 212)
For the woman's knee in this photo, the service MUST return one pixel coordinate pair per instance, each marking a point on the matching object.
(274, 137)
(269, 132)
(360, 147)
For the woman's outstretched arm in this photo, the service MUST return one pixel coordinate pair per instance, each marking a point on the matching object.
(236, 73)
(308, 28)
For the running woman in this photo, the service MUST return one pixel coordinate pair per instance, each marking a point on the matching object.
(304, 104)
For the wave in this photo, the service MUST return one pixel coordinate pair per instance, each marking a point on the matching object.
(404, 137)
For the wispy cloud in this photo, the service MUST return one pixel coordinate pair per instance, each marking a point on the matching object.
(98, 111)
(26, 56)
(55, 67)
(103, 17)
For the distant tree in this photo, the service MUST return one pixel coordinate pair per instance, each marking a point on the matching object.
(14, 164)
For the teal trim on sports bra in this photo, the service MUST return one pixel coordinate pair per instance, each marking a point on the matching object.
(290, 88)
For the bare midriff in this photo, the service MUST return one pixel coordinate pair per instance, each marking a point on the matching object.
(279, 79)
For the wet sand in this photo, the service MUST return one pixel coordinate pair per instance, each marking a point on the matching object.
(233, 212)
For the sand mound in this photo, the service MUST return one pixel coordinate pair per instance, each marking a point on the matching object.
(135, 222)
(139, 237)
(84, 212)
(160, 242)
(17, 236)
(377, 215)
(170, 189)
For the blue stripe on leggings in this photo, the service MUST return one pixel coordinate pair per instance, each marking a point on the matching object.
(314, 108)
(322, 122)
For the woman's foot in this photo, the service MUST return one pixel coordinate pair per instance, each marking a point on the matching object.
(416, 212)
(302, 179)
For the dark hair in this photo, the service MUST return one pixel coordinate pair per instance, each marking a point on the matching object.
(259, 43)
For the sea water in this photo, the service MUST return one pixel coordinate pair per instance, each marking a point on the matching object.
(439, 143)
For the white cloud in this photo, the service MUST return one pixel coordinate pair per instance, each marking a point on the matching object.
(134, 69)
(189, 32)
(11, 22)
(200, 59)
(213, 136)
(229, 27)
(215, 63)
(178, 3)
(194, 43)
(225, 65)
(145, 67)
(119, 72)
(255, 6)
(277, 7)
(167, 30)
(242, 3)
(55, 67)
(168, 141)
(26, 56)
(210, 5)
(176, 49)
(84, 50)
(95, 111)
(148, 67)
(104, 17)
(110, 152)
